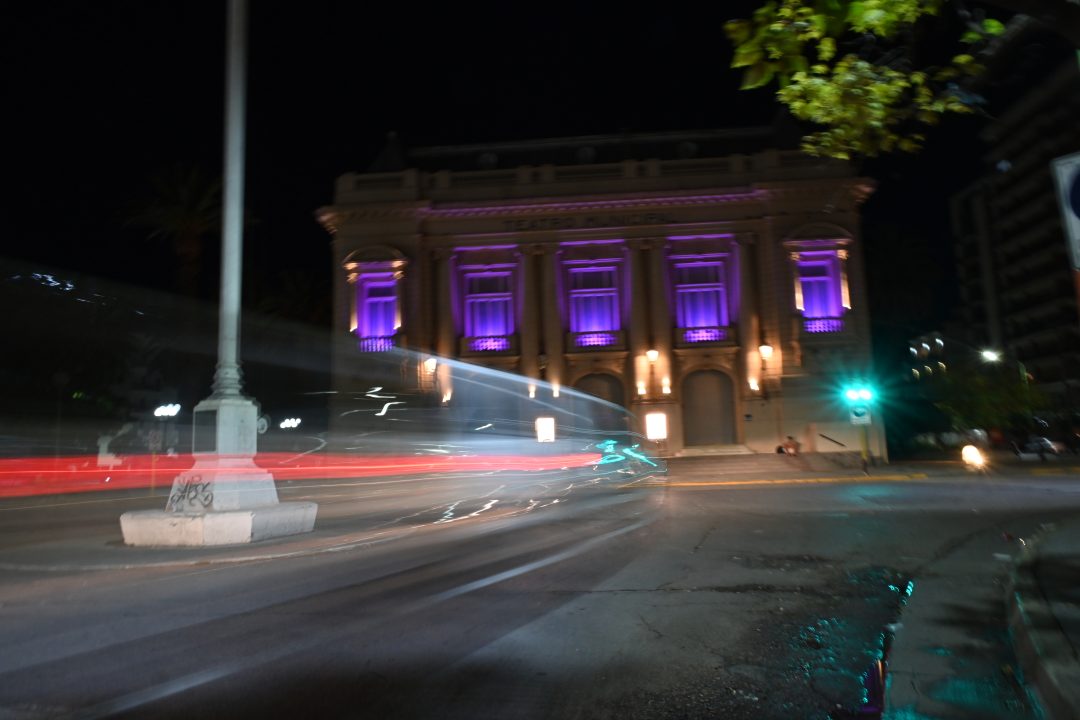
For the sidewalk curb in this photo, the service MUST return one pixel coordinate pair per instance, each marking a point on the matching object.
(1045, 656)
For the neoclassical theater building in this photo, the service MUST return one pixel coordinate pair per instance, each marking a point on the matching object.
(708, 276)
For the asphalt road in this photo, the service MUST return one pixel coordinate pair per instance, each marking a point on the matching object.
(531, 596)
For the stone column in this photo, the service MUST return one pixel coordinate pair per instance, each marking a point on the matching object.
(638, 368)
(528, 325)
(446, 335)
(661, 311)
(414, 320)
(552, 316)
(749, 329)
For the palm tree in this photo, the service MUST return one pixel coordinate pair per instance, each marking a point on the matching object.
(184, 208)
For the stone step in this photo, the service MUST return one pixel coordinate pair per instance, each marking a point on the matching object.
(710, 450)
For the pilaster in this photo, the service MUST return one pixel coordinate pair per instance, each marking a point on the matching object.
(552, 316)
(529, 321)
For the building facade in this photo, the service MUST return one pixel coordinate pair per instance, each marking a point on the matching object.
(665, 273)
(1015, 278)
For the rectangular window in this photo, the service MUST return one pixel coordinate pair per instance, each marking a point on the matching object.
(701, 296)
(594, 299)
(819, 284)
(376, 310)
(489, 310)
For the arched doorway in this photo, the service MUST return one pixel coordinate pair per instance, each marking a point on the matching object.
(708, 409)
(606, 387)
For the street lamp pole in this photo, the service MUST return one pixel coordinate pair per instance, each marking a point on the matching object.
(227, 379)
(225, 498)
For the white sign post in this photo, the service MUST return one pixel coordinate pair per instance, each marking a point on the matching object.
(860, 415)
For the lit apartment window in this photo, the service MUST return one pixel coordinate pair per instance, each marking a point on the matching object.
(489, 310)
(821, 290)
(377, 311)
(594, 305)
(701, 301)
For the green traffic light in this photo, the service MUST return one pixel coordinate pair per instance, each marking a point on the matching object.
(859, 394)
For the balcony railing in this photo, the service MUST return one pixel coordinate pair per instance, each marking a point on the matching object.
(377, 343)
(697, 336)
(489, 345)
(822, 326)
(596, 340)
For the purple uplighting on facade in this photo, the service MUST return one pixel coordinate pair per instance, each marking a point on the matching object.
(480, 248)
(594, 299)
(724, 236)
(819, 275)
(701, 294)
(697, 335)
(376, 305)
(489, 344)
(823, 325)
(489, 305)
(596, 339)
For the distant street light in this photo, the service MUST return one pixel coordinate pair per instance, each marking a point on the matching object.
(170, 410)
(995, 356)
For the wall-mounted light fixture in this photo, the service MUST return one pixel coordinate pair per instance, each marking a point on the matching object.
(766, 351)
(545, 429)
(656, 426)
(653, 355)
(430, 364)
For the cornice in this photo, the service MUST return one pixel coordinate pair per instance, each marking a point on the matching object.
(599, 205)
(334, 216)
(857, 188)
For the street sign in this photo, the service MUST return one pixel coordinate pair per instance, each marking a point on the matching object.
(860, 415)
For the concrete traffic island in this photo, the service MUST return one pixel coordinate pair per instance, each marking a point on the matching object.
(158, 528)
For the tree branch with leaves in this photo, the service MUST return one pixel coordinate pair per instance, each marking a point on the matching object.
(849, 68)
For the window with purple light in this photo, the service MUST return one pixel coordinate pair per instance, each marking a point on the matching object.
(376, 310)
(701, 299)
(700, 294)
(594, 304)
(489, 310)
(819, 280)
(821, 289)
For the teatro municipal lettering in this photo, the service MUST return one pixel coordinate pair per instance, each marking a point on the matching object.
(575, 222)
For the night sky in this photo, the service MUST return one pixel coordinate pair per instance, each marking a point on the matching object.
(105, 94)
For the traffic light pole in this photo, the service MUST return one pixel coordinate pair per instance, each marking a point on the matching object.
(864, 446)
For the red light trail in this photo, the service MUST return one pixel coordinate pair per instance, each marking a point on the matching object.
(24, 477)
